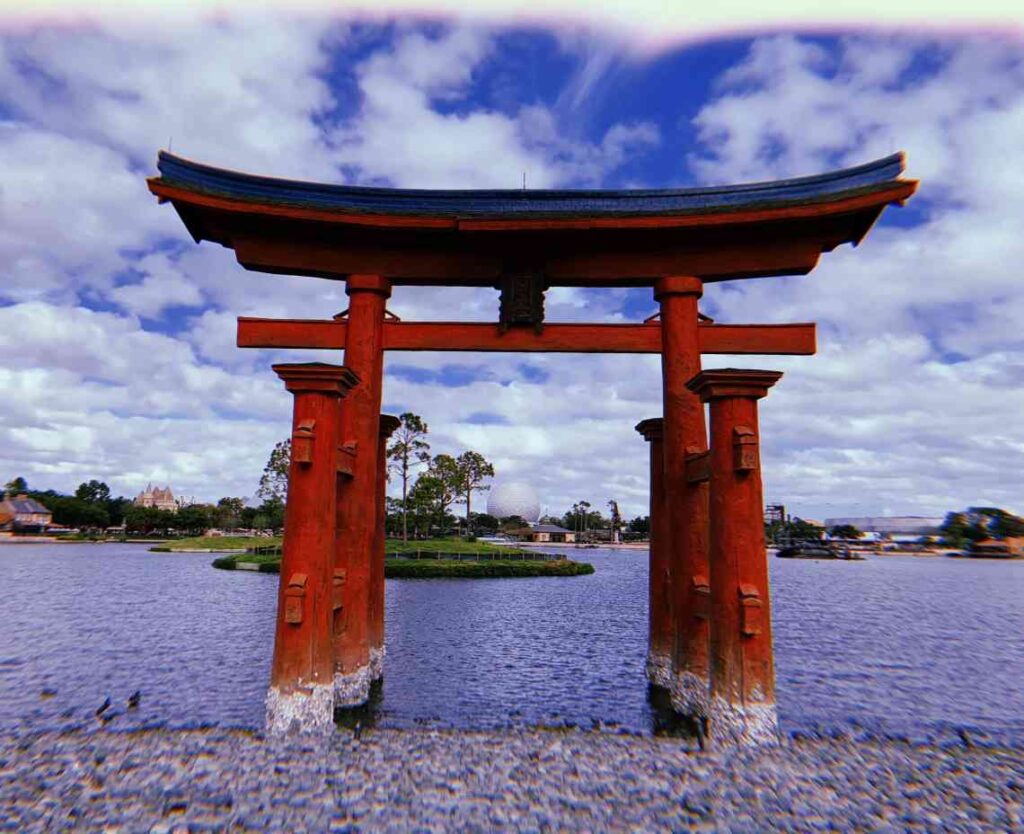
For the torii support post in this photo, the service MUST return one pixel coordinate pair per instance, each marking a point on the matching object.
(388, 424)
(661, 629)
(742, 673)
(686, 502)
(301, 695)
(357, 513)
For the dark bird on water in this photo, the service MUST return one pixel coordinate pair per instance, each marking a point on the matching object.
(134, 698)
(103, 707)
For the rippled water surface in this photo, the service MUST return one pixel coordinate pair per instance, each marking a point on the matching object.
(899, 645)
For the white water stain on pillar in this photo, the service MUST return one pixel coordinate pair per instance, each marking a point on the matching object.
(690, 695)
(353, 688)
(659, 669)
(306, 710)
(743, 726)
(377, 663)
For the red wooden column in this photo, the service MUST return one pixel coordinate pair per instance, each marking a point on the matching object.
(301, 692)
(686, 502)
(357, 501)
(388, 424)
(742, 671)
(661, 634)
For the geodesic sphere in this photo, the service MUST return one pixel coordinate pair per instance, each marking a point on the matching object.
(513, 498)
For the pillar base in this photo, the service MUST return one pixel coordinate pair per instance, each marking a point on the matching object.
(690, 695)
(306, 710)
(377, 663)
(754, 725)
(352, 689)
(659, 669)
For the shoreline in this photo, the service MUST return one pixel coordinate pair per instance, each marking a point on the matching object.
(160, 780)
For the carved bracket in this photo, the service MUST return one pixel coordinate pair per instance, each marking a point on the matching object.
(346, 459)
(744, 449)
(698, 466)
(522, 300)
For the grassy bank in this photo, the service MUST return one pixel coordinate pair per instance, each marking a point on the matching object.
(450, 547)
(218, 544)
(393, 547)
(431, 568)
(222, 544)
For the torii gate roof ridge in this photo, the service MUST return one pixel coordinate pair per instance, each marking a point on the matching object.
(565, 238)
(180, 173)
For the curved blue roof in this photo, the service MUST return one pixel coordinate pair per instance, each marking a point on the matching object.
(192, 176)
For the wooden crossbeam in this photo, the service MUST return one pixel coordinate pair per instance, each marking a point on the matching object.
(791, 339)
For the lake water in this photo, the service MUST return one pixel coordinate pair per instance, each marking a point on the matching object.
(904, 646)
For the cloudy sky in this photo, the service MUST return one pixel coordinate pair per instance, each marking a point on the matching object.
(117, 357)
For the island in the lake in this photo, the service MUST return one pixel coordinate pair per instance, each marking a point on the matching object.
(423, 559)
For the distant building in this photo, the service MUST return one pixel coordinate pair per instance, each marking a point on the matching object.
(21, 514)
(162, 499)
(895, 525)
(551, 533)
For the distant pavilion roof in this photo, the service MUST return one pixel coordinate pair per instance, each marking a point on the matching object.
(549, 528)
(571, 237)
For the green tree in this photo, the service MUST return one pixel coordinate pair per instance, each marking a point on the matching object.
(797, 528)
(116, 508)
(93, 492)
(978, 523)
(641, 525)
(274, 481)
(408, 449)
(427, 504)
(845, 531)
(472, 468)
(514, 524)
(16, 486)
(145, 520)
(270, 515)
(194, 519)
(73, 512)
(484, 523)
(229, 512)
(445, 484)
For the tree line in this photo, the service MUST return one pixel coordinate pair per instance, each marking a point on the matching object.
(431, 484)
(93, 507)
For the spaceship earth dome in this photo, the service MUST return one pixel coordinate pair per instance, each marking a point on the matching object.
(513, 498)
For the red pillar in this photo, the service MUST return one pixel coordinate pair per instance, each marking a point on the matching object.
(661, 632)
(686, 501)
(742, 672)
(301, 692)
(357, 503)
(388, 424)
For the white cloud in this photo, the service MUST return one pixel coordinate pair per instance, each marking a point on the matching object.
(162, 286)
(882, 418)
(877, 421)
(402, 138)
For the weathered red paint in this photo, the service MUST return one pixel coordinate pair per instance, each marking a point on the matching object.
(303, 655)
(388, 424)
(357, 501)
(661, 631)
(742, 671)
(687, 548)
(790, 339)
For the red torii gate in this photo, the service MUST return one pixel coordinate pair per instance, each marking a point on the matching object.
(710, 636)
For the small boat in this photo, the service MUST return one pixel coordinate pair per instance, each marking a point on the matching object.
(818, 550)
